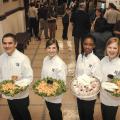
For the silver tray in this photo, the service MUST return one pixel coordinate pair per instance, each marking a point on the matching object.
(85, 96)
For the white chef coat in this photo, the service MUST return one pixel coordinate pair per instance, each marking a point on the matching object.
(89, 65)
(54, 68)
(17, 64)
(109, 67)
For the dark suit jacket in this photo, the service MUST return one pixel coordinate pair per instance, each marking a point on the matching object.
(81, 23)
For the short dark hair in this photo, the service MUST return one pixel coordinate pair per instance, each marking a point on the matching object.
(32, 4)
(10, 35)
(100, 10)
(112, 6)
(52, 41)
(89, 36)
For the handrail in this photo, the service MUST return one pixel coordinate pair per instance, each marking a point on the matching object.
(6, 14)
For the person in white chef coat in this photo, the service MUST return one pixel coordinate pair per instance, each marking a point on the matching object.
(87, 63)
(14, 64)
(110, 65)
(54, 66)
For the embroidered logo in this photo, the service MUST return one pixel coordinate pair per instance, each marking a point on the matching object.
(90, 65)
(17, 64)
(53, 69)
(117, 73)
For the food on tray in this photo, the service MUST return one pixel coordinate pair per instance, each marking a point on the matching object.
(109, 86)
(85, 86)
(9, 88)
(114, 89)
(49, 87)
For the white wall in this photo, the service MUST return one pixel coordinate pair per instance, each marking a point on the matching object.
(13, 23)
(10, 5)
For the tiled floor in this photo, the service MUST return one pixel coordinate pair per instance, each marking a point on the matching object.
(36, 53)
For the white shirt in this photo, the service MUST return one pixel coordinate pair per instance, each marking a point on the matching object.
(54, 68)
(89, 65)
(109, 67)
(32, 12)
(17, 64)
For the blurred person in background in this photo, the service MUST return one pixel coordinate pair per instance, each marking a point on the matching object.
(112, 16)
(52, 17)
(101, 34)
(98, 14)
(32, 13)
(43, 16)
(65, 22)
(81, 26)
(116, 29)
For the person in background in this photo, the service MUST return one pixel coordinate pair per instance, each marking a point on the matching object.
(43, 16)
(101, 34)
(98, 14)
(87, 63)
(52, 16)
(81, 26)
(54, 66)
(37, 5)
(116, 29)
(16, 64)
(110, 64)
(112, 16)
(65, 22)
(32, 13)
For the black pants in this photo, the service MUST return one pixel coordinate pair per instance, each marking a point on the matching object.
(86, 109)
(19, 109)
(65, 30)
(109, 112)
(76, 43)
(111, 26)
(33, 27)
(54, 110)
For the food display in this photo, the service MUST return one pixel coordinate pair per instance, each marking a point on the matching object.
(85, 86)
(113, 87)
(9, 88)
(49, 87)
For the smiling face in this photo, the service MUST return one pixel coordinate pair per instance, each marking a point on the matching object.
(9, 45)
(112, 50)
(52, 50)
(88, 46)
